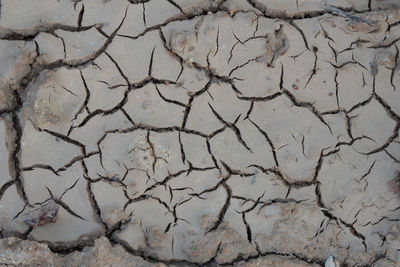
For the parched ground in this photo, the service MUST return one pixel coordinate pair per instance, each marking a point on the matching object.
(199, 132)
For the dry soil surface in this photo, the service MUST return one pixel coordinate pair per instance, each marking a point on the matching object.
(199, 132)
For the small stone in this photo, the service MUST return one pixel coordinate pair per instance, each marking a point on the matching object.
(44, 214)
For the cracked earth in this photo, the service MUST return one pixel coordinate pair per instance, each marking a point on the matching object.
(199, 132)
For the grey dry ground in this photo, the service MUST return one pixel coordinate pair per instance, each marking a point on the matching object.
(195, 132)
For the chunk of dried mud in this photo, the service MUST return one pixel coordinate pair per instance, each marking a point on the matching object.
(17, 252)
(275, 261)
(103, 253)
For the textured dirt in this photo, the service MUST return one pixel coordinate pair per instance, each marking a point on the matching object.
(199, 132)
